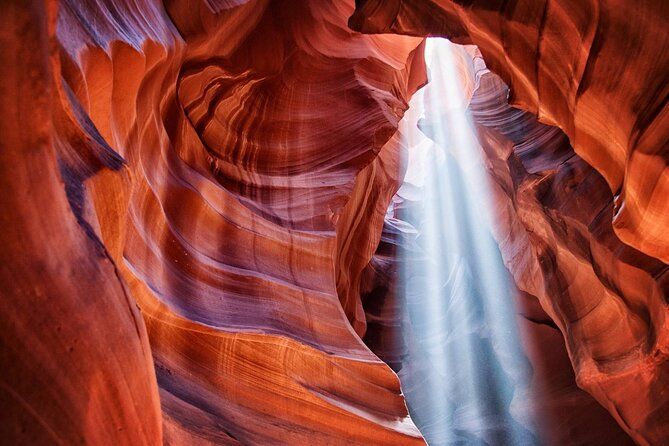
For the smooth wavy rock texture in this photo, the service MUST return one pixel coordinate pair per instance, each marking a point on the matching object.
(574, 277)
(195, 245)
(223, 166)
(607, 298)
(588, 243)
(557, 240)
(594, 68)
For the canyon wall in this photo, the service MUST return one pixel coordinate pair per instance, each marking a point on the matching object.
(193, 191)
(73, 347)
(597, 69)
(607, 298)
(541, 404)
(578, 239)
(195, 188)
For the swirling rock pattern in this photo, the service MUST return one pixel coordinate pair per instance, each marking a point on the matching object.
(559, 412)
(532, 230)
(193, 191)
(605, 290)
(225, 166)
(74, 351)
(562, 60)
(556, 236)
(608, 299)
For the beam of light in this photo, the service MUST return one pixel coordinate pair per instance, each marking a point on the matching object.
(457, 292)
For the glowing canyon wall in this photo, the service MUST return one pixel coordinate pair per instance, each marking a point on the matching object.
(588, 243)
(193, 192)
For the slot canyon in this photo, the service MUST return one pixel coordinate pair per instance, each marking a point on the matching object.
(334, 222)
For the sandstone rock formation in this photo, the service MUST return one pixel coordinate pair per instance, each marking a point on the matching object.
(194, 192)
(596, 69)
(532, 231)
(606, 291)
(560, 235)
(608, 299)
(224, 166)
(74, 350)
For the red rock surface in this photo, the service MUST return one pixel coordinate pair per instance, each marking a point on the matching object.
(536, 239)
(76, 361)
(608, 299)
(193, 191)
(597, 69)
(605, 290)
(226, 166)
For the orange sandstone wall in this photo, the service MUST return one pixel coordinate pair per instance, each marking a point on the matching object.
(193, 191)
(222, 167)
(589, 244)
(607, 298)
(597, 69)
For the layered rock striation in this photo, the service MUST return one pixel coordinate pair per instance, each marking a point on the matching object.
(222, 168)
(193, 191)
(596, 69)
(607, 298)
(538, 244)
(586, 242)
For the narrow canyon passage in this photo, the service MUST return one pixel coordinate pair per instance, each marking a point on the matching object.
(459, 298)
(341, 222)
(471, 344)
